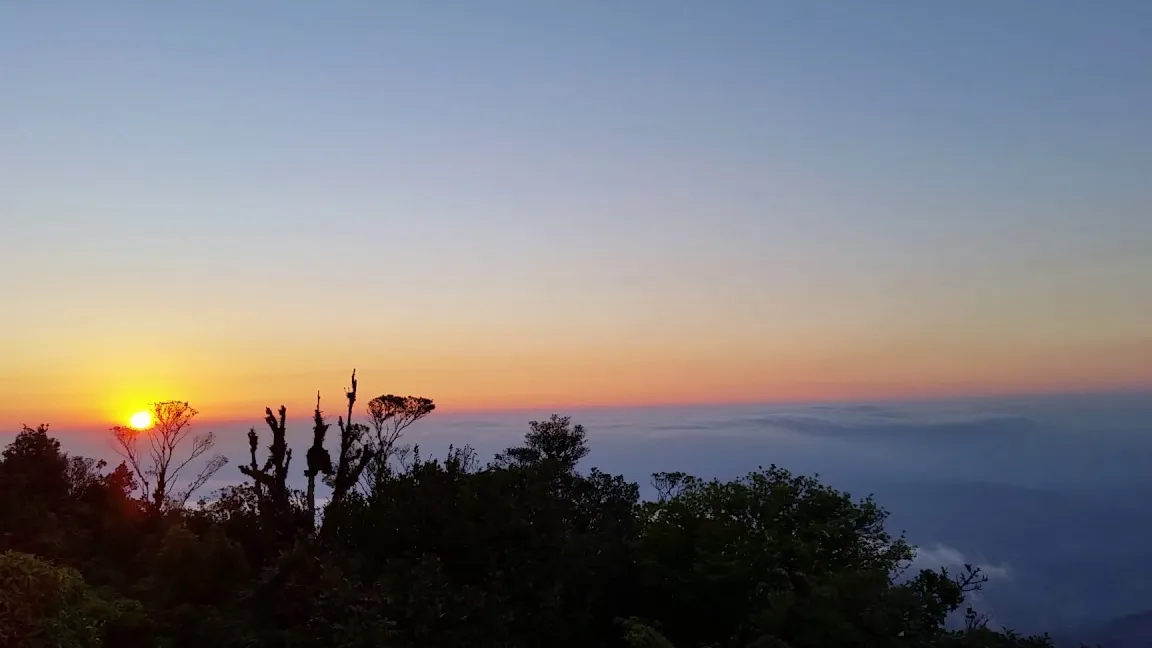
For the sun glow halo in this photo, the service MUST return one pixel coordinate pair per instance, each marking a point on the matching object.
(140, 420)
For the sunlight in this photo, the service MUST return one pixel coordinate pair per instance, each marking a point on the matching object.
(141, 420)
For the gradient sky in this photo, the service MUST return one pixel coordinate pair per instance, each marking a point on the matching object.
(507, 203)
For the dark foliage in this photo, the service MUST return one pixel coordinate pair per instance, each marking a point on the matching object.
(528, 550)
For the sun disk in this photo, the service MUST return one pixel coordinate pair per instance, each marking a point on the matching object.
(140, 420)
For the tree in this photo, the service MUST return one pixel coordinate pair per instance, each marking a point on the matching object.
(318, 458)
(34, 490)
(776, 559)
(354, 454)
(358, 453)
(389, 416)
(34, 461)
(45, 605)
(157, 467)
(196, 569)
(555, 441)
(270, 482)
(527, 550)
(67, 509)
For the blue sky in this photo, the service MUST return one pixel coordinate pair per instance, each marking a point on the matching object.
(821, 187)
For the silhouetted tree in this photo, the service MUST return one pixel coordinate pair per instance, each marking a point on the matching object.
(527, 550)
(34, 461)
(354, 455)
(779, 559)
(555, 441)
(270, 482)
(157, 467)
(34, 490)
(319, 460)
(389, 415)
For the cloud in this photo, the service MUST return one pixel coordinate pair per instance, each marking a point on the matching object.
(873, 424)
(954, 560)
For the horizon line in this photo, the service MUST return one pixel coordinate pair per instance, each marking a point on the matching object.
(565, 409)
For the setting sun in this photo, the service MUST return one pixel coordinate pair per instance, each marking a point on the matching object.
(140, 420)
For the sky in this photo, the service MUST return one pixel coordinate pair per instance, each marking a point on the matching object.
(515, 204)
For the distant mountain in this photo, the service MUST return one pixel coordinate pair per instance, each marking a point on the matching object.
(1131, 631)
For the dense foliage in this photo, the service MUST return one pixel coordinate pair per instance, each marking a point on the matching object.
(526, 550)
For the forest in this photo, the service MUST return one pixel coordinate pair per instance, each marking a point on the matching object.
(388, 547)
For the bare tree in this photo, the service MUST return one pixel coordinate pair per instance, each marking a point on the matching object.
(156, 464)
(354, 453)
(272, 478)
(318, 458)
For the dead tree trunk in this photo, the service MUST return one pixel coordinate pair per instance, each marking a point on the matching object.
(319, 461)
(354, 454)
(272, 478)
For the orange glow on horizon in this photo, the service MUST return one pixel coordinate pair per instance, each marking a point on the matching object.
(251, 411)
(99, 396)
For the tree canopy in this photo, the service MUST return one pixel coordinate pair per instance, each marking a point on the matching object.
(528, 549)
